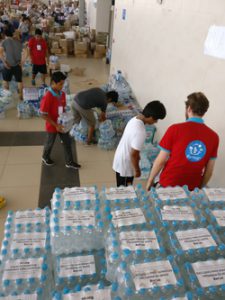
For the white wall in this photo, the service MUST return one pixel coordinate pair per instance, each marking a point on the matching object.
(91, 13)
(159, 48)
(103, 14)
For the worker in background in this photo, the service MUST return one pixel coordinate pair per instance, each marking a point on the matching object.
(188, 150)
(127, 156)
(85, 101)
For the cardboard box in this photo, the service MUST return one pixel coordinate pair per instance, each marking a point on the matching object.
(81, 46)
(98, 55)
(55, 44)
(56, 51)
(100, 49)
(81, 55)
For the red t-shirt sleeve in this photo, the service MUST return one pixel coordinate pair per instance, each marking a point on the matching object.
(45, 104)
(215, 149)
(166, 142)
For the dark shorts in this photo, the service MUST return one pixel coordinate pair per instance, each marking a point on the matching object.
(16, 71)
(39, 69)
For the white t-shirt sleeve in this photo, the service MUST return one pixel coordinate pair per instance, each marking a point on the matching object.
(138, 141)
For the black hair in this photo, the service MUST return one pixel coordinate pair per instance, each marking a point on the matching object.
(8, 32)
(154, 109)
(113, 96)
(38, 31)
(58, 76)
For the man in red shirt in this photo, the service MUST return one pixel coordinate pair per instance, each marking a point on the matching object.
(38, 53)
(188, 150)
(52, 104)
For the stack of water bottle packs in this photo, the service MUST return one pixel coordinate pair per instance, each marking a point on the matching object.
(120, 243)
(107, 136)
(26, 267)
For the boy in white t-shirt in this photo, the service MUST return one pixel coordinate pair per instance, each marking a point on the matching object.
(127, 156)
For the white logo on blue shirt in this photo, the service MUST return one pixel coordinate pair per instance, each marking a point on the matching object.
(195, 151)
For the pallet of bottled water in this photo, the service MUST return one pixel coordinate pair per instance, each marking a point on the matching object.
(26, 269)
(158, 278)
(206, 278)
(210, 197)
(80, 268)
(77, 221)
(216, 217)
(93, 292)
(195, 244)
(74, 197)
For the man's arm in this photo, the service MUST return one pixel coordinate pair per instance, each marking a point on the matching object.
(2, 58)
(58, 127)
(157, 167)
(135, 158)
(102, 116)
(208, 172)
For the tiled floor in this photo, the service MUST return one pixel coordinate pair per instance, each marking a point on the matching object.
(20, 166)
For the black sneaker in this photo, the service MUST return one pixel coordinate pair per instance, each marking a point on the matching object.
(48, 161)
(73, 165)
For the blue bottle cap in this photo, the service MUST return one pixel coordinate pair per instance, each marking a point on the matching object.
(39, 291)
(6, 282)
(115, 243)
(66, 291)
(126, 252)
(15, 251)
(31, 280)
(79, 227)
(123, 265)
(19, 281)
(44, 267)
(114, 255)
(212, 289)
(56, 228)
(128, 292)
(77, 288)
(114, 286)
(101, 224)
(4, 252)
(43, 278)
(101, 285)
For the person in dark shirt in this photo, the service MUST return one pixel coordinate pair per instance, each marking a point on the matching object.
(85, 101)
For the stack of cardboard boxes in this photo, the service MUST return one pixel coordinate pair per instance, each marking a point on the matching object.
(81, 49)
(82, 43)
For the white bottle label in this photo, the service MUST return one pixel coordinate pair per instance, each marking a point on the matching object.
(171, 193)
(215, 194)
(220, 216)
(128, 217)
(195, 238)
(142, 240)
(121, 193)
(30, 240)
(210, 273)
(91, 295)
(77, 217)
(34, 216)
(23, 268)
(21, 297)
(149, 275)
(177, 213)
(77, 266)
(180, 298)
(79, 194)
